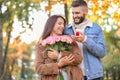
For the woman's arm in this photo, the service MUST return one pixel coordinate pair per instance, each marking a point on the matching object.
(75, 52)
(42, 67)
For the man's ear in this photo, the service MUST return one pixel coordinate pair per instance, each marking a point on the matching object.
(86, 11)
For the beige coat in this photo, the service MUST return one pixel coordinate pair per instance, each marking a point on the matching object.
(48, 69)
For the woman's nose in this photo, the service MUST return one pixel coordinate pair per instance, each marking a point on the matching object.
(62, 25)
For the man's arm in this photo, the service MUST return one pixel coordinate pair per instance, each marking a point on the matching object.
(98, 47)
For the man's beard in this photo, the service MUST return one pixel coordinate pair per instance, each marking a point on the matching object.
(80, 20)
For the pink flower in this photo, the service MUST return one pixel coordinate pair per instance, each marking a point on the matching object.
(58, 42)
(53, 39)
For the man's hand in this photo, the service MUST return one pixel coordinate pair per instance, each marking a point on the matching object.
(79, 38)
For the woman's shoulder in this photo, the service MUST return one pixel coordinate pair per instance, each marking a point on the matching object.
(38, 45)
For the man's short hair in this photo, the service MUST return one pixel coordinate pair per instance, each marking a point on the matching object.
(77, 3)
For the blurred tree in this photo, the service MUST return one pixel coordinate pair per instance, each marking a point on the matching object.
(17, 59)
(9, 10)
(106, 13)
(111, 61)
(1, 36)
(66, 4)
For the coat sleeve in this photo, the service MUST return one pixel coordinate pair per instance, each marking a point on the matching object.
(42, 67)
(76, 52)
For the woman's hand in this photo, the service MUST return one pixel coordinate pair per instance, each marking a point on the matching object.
(66, 60)
(53, 54)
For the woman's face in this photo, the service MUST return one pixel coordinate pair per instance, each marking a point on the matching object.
(58, 27)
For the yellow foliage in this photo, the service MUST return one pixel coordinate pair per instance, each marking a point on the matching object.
(36, 1)
(100, 21)
(53, 3)
(93, 18)
(5, 24)
(12, 56)
(63, 1)
(47, 8)
(94, 1)
(105, 4)
(116, 1)
(16, 69)
(22, 46)
(116, 16)
(93, 9)
(21, 55)
(18, 46)
(118, 31)
(119, 5)
(26, 57)
(69, 0)
(4, 37)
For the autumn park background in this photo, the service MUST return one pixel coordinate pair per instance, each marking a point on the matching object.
(22, 21)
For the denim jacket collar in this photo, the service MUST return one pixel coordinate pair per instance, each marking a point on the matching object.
(89, 24)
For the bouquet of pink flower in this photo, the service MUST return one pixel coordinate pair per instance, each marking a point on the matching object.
(59, 43)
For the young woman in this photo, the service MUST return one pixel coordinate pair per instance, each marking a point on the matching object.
(46, 66)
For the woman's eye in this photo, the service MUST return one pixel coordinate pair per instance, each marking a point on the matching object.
(59, 23)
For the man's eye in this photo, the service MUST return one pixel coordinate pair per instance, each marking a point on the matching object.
(77, 13)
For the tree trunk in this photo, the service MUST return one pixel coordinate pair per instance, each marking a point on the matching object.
(66, 12)
(1, 43)
(6, 50)
(119, 74)
(1, 48)
(113, 75)
(23, 70)
(106, 75)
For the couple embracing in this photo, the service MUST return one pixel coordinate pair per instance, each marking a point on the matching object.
(71, 52)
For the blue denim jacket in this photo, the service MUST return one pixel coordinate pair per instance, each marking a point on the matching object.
(93, 50)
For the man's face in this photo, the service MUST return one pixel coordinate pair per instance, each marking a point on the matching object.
(78, 14)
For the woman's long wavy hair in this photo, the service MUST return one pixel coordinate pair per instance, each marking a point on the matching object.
(50, 24)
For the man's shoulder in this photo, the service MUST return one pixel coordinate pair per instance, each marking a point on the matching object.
(69, 25)
(97, 26)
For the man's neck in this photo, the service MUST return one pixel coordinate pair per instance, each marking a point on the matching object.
(81, 24)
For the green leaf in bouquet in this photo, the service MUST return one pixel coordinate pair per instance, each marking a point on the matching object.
(60, 76)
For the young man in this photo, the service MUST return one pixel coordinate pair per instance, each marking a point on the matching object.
(90, 40)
